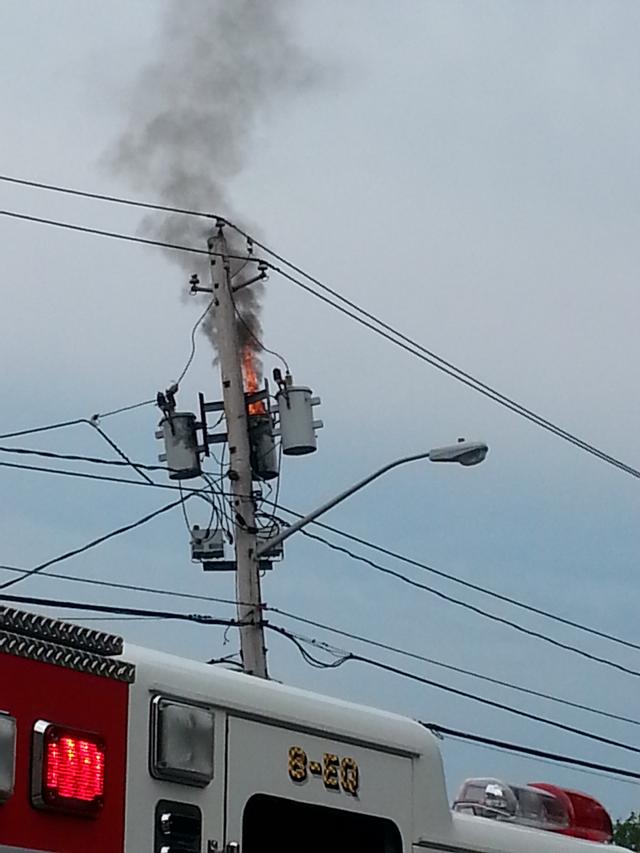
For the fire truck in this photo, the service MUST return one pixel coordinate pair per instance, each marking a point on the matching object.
(107, 748)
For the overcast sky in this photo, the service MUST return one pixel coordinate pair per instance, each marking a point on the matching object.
(469, 172)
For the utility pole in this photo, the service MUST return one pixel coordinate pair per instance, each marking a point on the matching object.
(248, 596)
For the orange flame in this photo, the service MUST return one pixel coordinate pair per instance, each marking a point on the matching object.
(251, 380)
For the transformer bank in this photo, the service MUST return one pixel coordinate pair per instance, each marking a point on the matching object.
(105, 750)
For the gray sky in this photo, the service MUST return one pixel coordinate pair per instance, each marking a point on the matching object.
(469, 172)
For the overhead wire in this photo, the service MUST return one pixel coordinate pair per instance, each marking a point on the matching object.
(531, 752)
(334, 630)
(299, 641)
(363, 317)
(94, 542)
(194, 330)
(122, 480)
(359, 540)
(117, 449)
(128, 238)
(450, 667)
(200, 618)
(349, 656)
(473, 608)
(466, 583)
(416, 349)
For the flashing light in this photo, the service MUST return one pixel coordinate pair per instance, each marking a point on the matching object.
(68, 770)
(588, 819)
(520, 804)
(538, 805)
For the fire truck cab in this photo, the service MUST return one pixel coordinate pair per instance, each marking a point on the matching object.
(105, 748)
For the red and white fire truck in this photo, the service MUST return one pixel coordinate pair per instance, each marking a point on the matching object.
(106, 748)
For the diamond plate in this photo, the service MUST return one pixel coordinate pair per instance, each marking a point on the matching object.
(63, 633)
(70, 658)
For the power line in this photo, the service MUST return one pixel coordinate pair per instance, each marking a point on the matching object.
(530, 751)
(472, 607)
(128, 238)
(112, 444)
(403, 558)
(59, 425)
(465, 583)
(200, 618)
(115, 199)
(347, 656)
(332, 629)
(74, 553)
(125, 586)
(62, 424)
(94, 460)
(450, 667)
(423, 353)
(122, 409)
(363, 317)
(557, 643)
(192, 354)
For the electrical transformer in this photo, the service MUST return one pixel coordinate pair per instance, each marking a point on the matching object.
(178, 430)
(297, 427)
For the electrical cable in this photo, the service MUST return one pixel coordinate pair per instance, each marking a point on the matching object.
(74, 553)
(472, 607)
(192, 354)
(257, 340)
(122, 480)
(120, 452)
(129, 238)
(75, 421)
(529, 751)
(92, 460)
(419, 351)
(450, 667)
(121, 410)
(465, 583)
(125, 586)
(468, 584)
(403, 558)
(332, 629)
(367, 319)
(115, 199)
(347, 656)
(201, 618)
(47, 428)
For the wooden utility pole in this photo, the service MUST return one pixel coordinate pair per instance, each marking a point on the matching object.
(248, 595)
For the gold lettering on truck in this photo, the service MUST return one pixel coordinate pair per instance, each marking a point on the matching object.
(338, 774)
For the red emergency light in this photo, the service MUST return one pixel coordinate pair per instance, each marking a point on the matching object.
(588, 819)
(68, 770)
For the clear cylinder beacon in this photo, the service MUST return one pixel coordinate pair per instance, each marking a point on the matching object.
(181, 445)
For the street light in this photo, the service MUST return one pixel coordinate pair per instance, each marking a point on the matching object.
(464, 452)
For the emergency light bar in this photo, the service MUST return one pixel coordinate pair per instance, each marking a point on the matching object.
(537, 805)
(519, 804)
(68, 770)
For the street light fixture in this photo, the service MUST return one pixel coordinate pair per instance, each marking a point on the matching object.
(464, 452)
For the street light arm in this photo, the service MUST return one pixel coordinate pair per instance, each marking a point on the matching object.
(302, 522)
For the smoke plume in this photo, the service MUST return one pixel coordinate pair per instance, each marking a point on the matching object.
(221, 67)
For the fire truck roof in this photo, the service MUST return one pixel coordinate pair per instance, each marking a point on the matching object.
(291, 706)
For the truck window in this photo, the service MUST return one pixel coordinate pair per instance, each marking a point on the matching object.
(286, 826)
